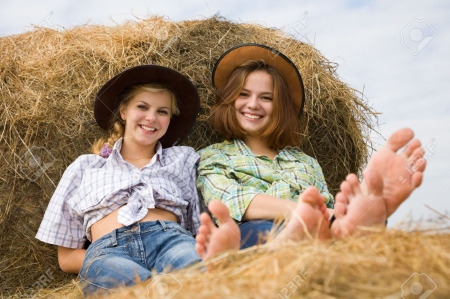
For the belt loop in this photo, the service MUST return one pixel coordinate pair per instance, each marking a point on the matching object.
(114, 237)
(164, 227)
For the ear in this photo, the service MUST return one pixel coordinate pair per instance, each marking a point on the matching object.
(122, 111)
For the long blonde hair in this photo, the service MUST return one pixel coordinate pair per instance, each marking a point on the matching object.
(117, 125)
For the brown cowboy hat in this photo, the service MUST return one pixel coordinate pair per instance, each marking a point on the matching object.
(106, 101)
(241, 53)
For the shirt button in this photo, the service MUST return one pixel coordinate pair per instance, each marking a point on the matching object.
(136, 177)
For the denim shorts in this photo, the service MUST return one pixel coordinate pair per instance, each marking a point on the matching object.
(251, 231)
(129, 253)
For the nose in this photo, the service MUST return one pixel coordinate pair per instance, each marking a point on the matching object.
(150, 116)
(253, 103)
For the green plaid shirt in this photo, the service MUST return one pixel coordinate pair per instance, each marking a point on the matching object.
(230, 172)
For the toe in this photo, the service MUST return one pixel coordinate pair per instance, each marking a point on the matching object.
(200, 245)
(418, 160)
(352, 180)
(340, 206)
(207, 222)
(417, 179)
(399, 139)
(205, 232)
(311, 196)
(220, 211)
(419, 165)
(412, 147)
(346, 189)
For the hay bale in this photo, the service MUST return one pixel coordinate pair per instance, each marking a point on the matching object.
(380, 265)
(48, 81)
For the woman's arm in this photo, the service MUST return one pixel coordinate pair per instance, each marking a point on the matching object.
(71, 259)
(265, 206)
(269, 207)
(217, 179)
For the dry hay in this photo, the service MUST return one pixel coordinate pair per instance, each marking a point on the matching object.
(378, 265)
(48, 81)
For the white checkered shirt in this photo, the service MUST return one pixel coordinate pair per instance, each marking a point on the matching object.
(92, 187)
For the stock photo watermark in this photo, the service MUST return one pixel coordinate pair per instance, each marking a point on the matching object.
(409, 169)
(35, 161)
(293, 31)
(418, 285)
(42, 282)
(416, 35)
(293, 285)
(167, 34)
(163, 286)
(47, 22)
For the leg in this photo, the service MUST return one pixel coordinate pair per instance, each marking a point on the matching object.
(251, 231)
(309, 219)
(402, 172)
(355, 207)
(106, 267)
(212, 240)
(171, 247)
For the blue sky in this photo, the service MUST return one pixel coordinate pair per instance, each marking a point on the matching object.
(396, 51)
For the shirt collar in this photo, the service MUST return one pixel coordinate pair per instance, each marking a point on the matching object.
(241, 148)
(286, 154)
(159, 151)
(116, 156)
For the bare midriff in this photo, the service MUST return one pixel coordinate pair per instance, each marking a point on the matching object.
(109, 223)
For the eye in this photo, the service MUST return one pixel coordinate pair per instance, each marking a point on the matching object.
(243, 94)
(163, 112)
(142, 107)
(267, 98)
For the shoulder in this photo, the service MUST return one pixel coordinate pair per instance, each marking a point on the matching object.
(299, 155)
(223, 148)
(77, 168)
(84, 161)
(179, 152)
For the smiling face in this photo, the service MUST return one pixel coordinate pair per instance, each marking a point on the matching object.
(254, 104)
(147, 116)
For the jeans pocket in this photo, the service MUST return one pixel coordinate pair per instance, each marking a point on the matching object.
(103, 242)
(94, 251)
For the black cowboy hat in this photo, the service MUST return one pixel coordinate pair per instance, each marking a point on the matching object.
(107, 101)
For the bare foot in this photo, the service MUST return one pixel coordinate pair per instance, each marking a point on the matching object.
(309, 219)
(401, 173)
(212, 240)
(355, 207)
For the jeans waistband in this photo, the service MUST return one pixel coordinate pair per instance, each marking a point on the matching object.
(140, 227)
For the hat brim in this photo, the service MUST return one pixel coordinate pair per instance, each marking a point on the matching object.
(188, 99)
(241, 53)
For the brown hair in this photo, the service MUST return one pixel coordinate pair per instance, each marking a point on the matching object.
(124, 98)
(282, 131)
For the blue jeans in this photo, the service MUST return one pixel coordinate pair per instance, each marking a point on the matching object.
(117, 258)
(252, 230)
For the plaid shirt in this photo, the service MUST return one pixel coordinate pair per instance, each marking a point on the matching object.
(230, 172)
(92, 187)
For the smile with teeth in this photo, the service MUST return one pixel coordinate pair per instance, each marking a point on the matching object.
(252, 116)
(150, 129)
